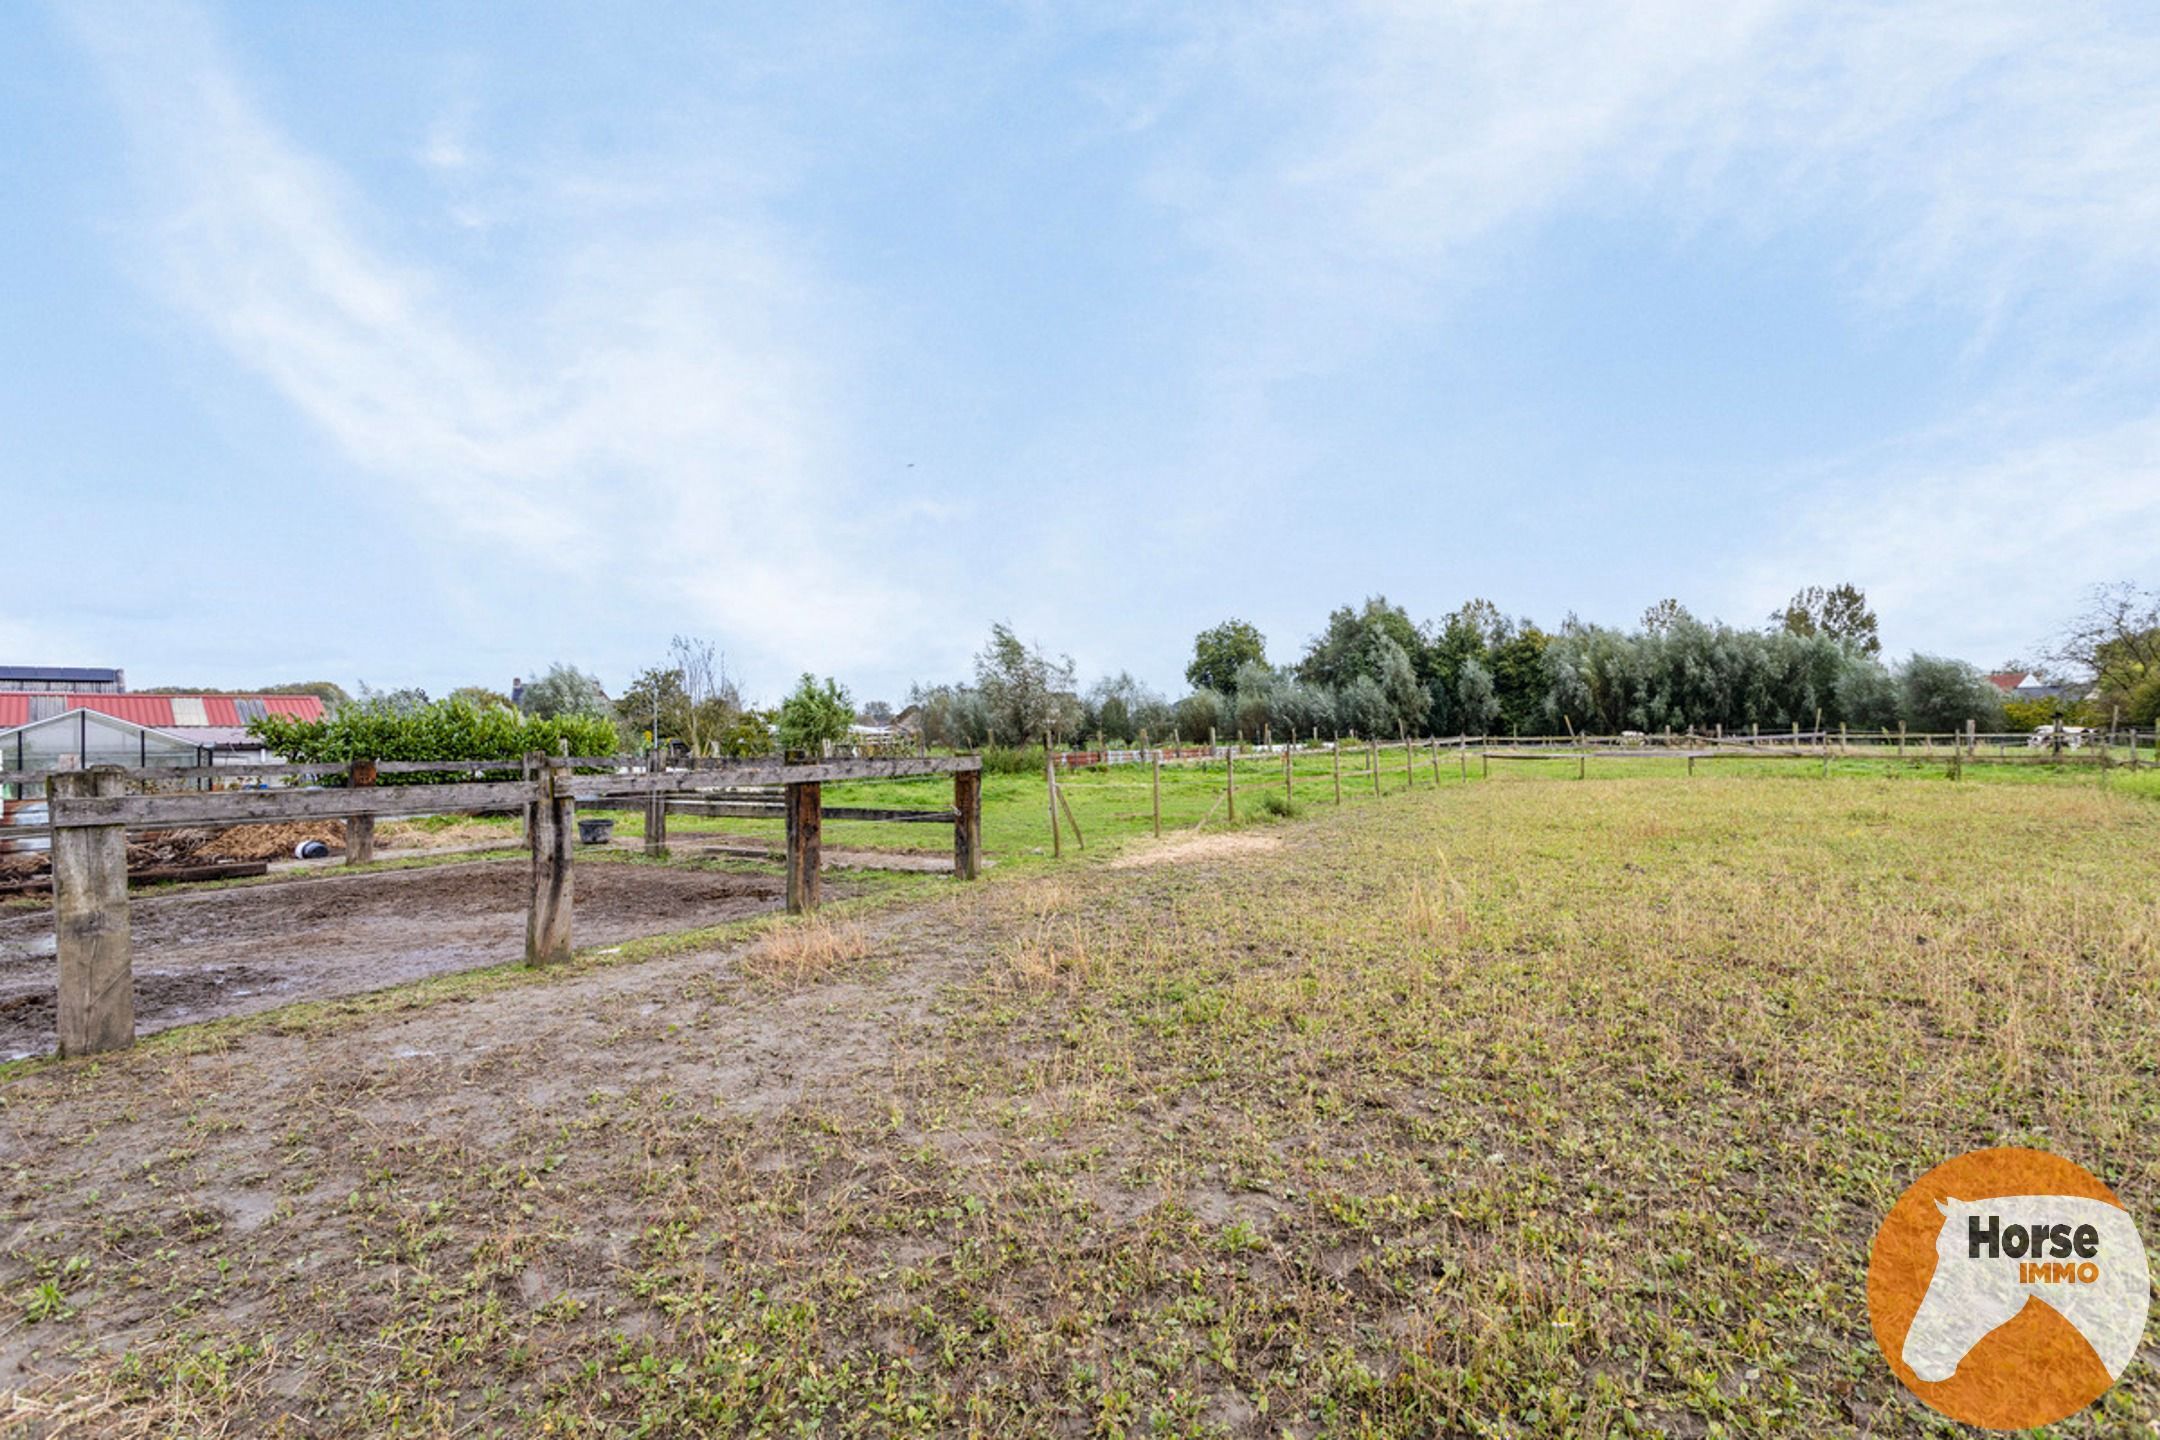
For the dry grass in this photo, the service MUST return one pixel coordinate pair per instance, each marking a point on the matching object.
(1515, 1109)
(803, 952)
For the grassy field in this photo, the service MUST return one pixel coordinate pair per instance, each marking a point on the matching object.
(1116, 803)
(1525, 1107)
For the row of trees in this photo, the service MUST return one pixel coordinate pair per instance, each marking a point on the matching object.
(1372, 670)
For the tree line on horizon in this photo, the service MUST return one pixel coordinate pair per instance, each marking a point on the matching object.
(1373, 671)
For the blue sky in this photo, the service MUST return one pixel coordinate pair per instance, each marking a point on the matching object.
(393, 344)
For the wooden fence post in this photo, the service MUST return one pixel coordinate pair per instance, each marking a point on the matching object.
(1057, 839)
(967, 830)
(554, 828)
(1071, 819)
(1230, 782)
(1372, 762)
(805, 820)
(656, 810)
(1286, 773)
(1155, 784)
(1409, 761)
(90, 921)
(360, 829)
(1462, 757)
(1336, 749)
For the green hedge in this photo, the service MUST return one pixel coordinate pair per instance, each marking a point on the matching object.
(442, 730)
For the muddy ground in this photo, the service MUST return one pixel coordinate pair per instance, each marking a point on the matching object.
(235, 951)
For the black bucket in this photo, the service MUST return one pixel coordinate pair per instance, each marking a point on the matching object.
(596, 832)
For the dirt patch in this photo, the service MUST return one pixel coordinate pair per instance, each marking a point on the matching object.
(1197, 848)
(228, 952)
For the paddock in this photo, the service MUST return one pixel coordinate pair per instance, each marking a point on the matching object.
(92, 810)
(208, 954)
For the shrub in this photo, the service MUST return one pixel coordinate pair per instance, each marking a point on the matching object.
(1013, 760)
(439, 730)
(815, 714)
(1274, 805)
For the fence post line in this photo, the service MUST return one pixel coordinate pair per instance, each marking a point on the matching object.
(1057, 840)
(360, 829)
(1155, 785)
(554, 828)
(805, 820)
(90, 921)
(967, 829)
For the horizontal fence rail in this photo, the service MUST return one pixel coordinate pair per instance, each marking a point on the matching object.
(90, 812)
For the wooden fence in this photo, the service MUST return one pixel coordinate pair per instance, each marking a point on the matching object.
(92, 810)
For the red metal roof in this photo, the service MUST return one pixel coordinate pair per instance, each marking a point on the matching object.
(156, 711)
(152, 710)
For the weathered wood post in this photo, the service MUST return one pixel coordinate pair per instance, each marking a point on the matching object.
(554, 829)
(1286, 774)
(1462, 757)
(1336, 749)
(1057, 840)
(656, 809)
(967, 830)
(90, 919)
(1155, 782)
(1409, 761)
(360, 829)
(805, 821)
(1230, 781)
(1372, 762)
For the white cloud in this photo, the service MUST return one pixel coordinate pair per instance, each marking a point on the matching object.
(1998, 164)
(647, 413)
(1978, 554)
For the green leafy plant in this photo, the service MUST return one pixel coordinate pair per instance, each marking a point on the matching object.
(815, 713)
(440, 730)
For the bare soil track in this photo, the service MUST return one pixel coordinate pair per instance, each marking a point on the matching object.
(236, 951)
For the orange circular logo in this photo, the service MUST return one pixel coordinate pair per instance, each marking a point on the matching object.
(2008, 1288)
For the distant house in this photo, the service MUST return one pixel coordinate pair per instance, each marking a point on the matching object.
(2023, 685)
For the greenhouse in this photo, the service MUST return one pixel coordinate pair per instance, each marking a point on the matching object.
(78, 738)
